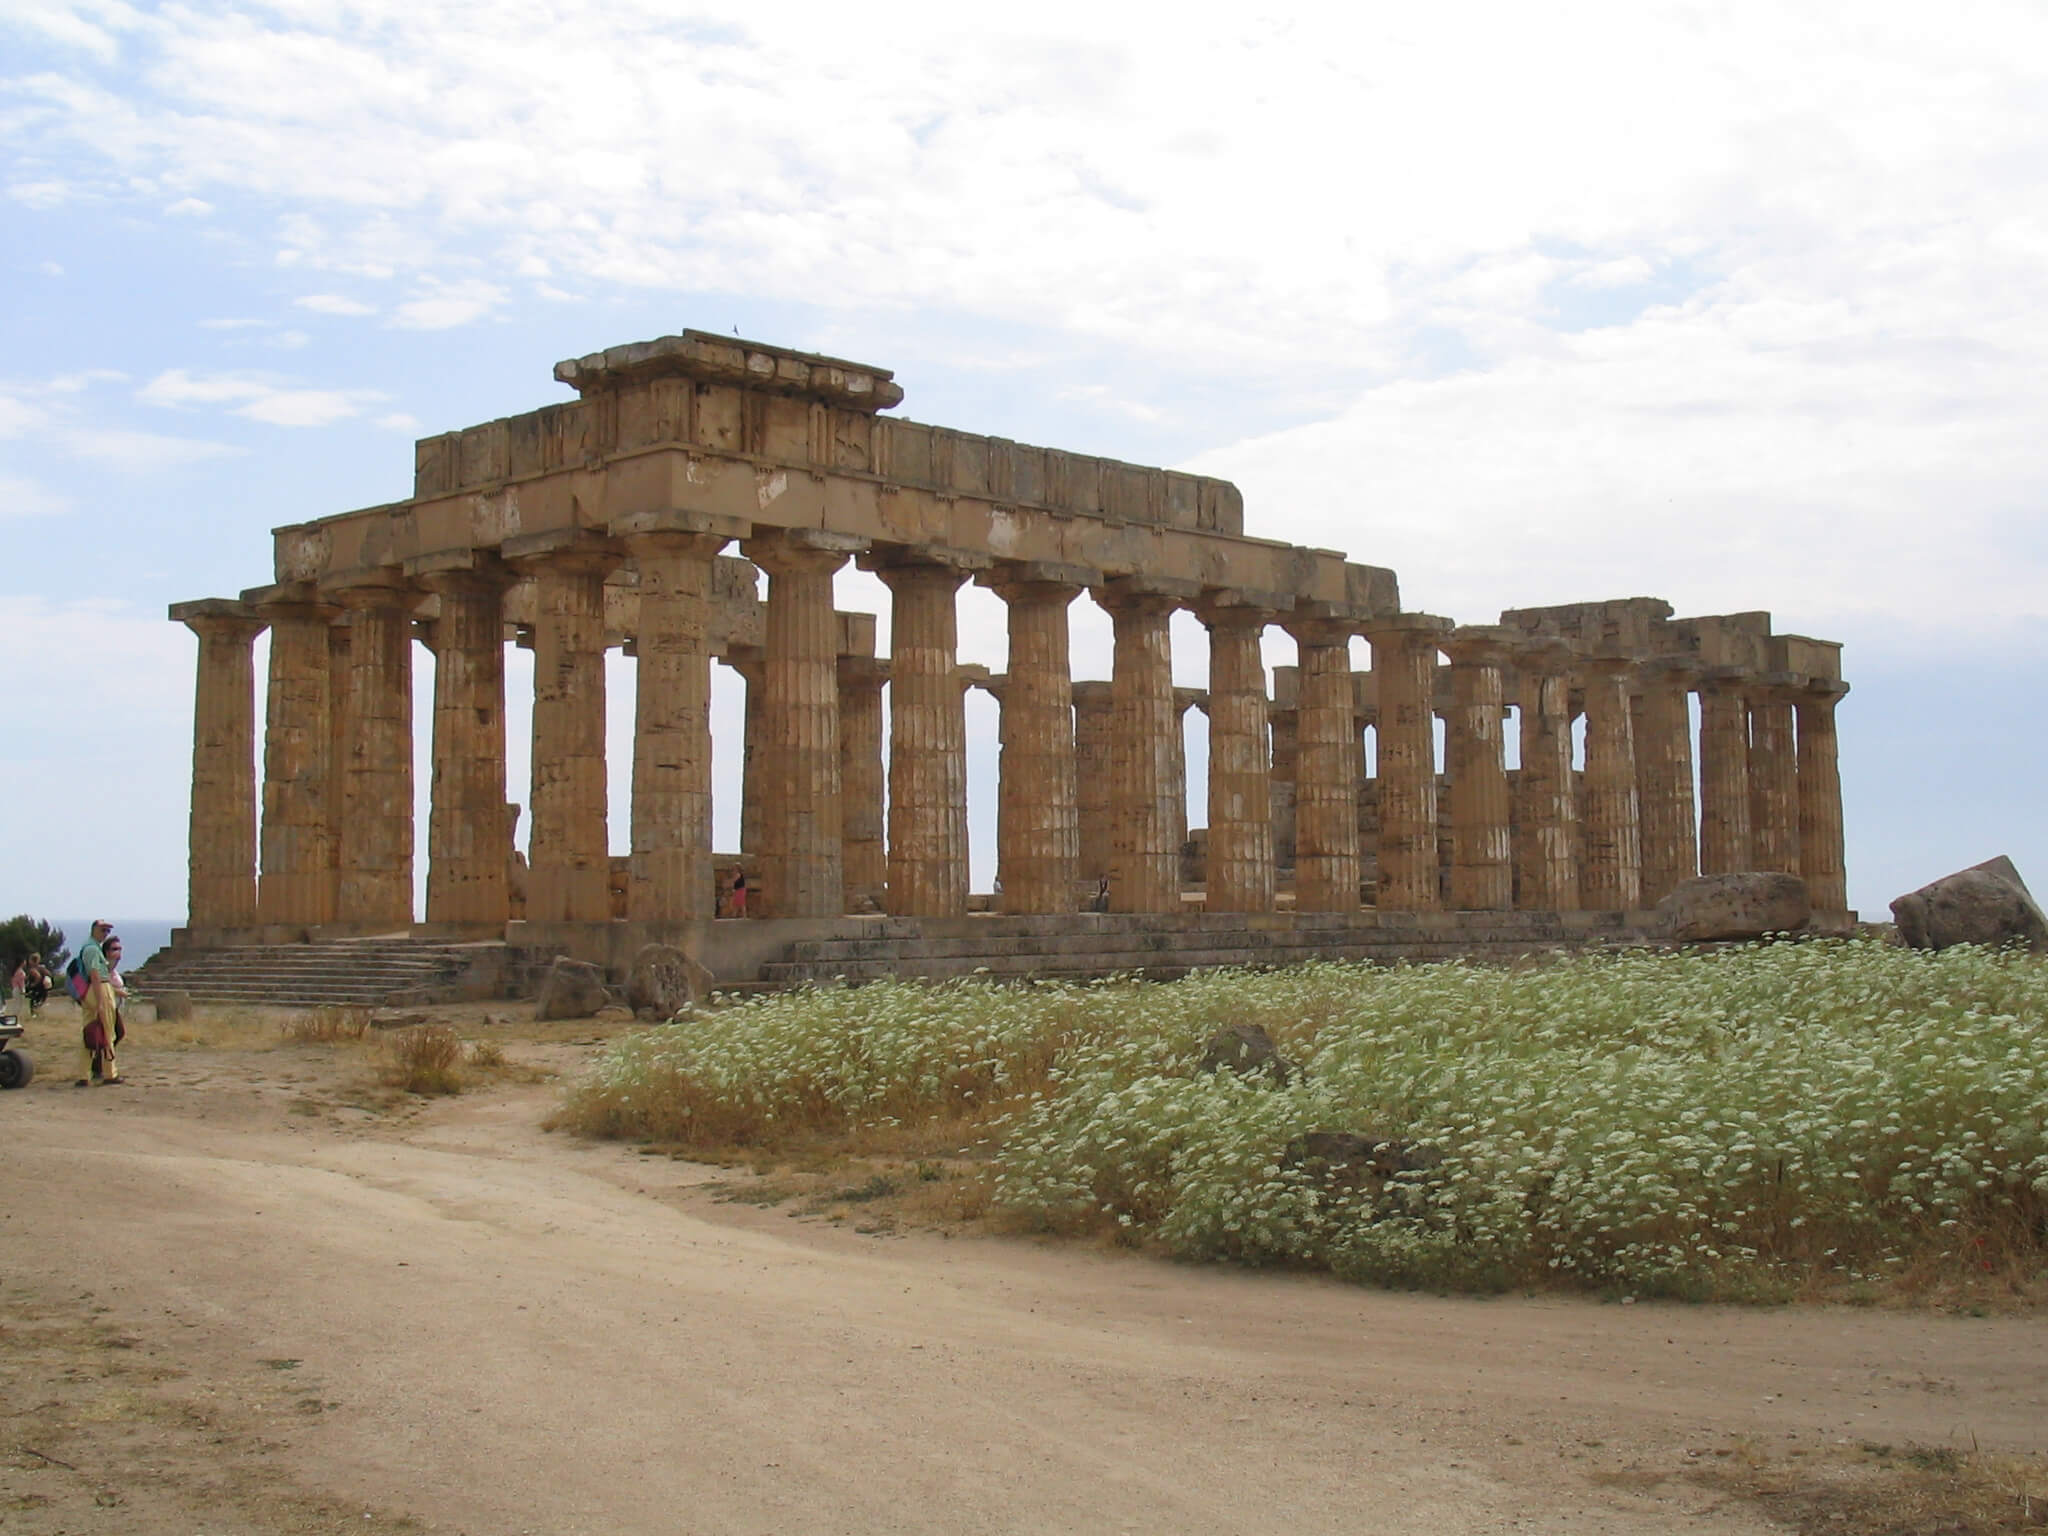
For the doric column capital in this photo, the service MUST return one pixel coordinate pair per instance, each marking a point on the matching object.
(1091, 693)
(855, 672)
(1823, 693)
(1038, 581)
(1144, 595)
(1236, 608)
(677, 523)
(1727, 682)
(381, 590)
(568, 551)
(220, 618)
(798, 551)
(464, 571)
(1548, 655)
(1777, 688)
(289, 600)
(1609, 664)
(1479, 645)
(655, 543)
(1679, 669)
(747, 661)
(1407, 633)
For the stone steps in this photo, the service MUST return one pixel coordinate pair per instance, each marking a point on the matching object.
(1166, 948)
(363, 973)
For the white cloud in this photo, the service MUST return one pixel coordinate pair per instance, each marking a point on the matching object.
(334, 304)
(140, 453)
(441, 307)
(189, 208)
(22, 497)
(399, 421)
(287, 341)
(232, 323)
(51, 268)
(40, 195)
(18, 416)
(257, 398)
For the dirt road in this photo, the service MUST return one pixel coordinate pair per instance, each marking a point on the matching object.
(234, 1302)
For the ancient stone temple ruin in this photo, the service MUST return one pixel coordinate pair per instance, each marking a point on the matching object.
(612, 520)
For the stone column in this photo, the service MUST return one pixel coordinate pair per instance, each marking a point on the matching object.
(1773, 776)
(1038, 823)
(1184, 699)
(1240, 802)
(1482, 869)
(1404, 673)
(746, 661)
(672, 880)
(927, 739)
(1724, 772)
(1144, 863)
(376, 832)
(296, 887)
(1820, 797)
(569, 847)
(864, 871)
(1663, 738)
(801, 851)
(340, 787)
(221, 889)
(1611, 878)
(1285, 715)
(1326, 767)
(466, 865)
(1546, 865)
(1092, 714)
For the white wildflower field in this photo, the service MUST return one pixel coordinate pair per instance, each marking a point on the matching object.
(1725, 1124)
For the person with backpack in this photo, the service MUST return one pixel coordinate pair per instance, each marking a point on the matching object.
(89, 978)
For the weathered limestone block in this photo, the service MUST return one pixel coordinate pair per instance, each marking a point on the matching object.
(573, 989)
(1038, 824)
(1482, 868)
(1239, 853)
(296, 885)
(222, 886)
(1546, 824)
(1748, 905)
(1987, 903)
(664, 981)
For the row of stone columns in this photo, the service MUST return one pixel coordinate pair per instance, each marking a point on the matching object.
(1098, 766)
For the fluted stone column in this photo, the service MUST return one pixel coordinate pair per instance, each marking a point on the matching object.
(296, 885)
(1404, 673)
(1038, 822)
(1240, 802)
(1285, 717)
(1773, 777)
(1184, 699)
(1546, 863)
(221, 867)
(927, 740)
(1482, 869)
(1820, 798)
(746, 661)
(1663, 741)
(1724, 772)
(466, 864)
(1326, 768)
(376, 831)
(672, 878)
(1092, 734)
(802, 854)
(569, 849)
(1144, 863)
(1611, 877)
(864, 859)
(340, 786)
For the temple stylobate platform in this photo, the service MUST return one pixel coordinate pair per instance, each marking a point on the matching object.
(605, 522)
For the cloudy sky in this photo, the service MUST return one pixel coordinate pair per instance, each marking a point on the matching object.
(1741, 305)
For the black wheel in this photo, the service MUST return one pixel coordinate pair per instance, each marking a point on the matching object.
(17, 1069)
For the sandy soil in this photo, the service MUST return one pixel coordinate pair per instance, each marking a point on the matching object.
(250, 1293)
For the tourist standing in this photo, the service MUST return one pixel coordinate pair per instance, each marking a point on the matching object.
(91, 984)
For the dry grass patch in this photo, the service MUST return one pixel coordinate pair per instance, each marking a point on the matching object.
(1882, 1490)
(424, 1059)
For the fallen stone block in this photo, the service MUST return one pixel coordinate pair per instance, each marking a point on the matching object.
(1746, 905)
(1247, 1050)
(172, 1006)
(665, 981)
(1987, 903)
(574, 989)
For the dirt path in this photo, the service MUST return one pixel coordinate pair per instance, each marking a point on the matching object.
(319, 1316)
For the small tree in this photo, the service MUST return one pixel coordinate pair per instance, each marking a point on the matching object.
(22, 936)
